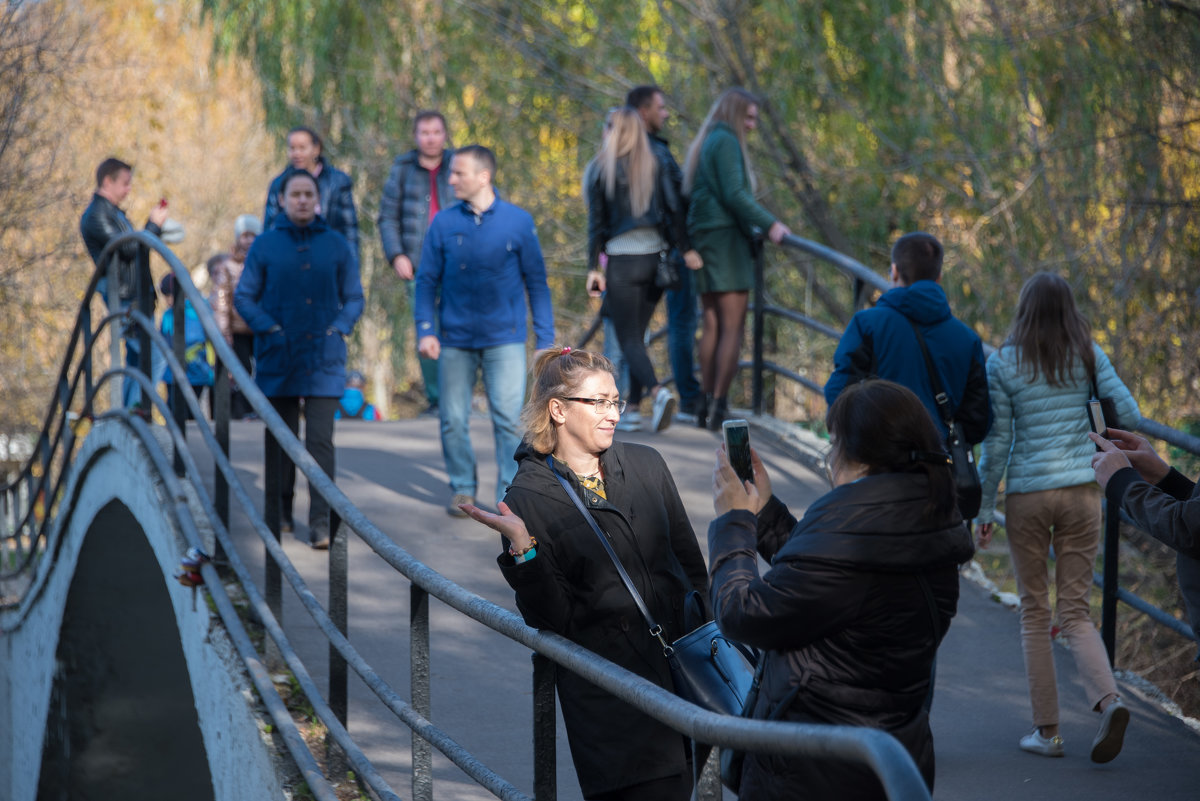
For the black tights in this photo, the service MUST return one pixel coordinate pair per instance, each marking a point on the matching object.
(724, 315)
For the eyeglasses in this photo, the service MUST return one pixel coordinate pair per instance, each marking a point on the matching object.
(601, 405)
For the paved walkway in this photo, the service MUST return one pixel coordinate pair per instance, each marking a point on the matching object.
(481, 682)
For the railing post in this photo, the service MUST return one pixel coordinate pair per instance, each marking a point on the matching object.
(221, 432)
(145, 300)
(338, 613)
(179, 346)
(272, 475)
(89, 337)
(116, 331)
(545, 757)
(422, 752)
(1108, 609)
(756, 379)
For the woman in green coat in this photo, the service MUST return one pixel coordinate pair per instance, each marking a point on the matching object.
(722, 212)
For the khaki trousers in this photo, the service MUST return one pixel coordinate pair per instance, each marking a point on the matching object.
(1068, 519)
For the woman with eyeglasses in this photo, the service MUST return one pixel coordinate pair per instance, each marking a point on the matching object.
(566, 582)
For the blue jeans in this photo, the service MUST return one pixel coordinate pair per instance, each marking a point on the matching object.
(131, 391)
(681, 339)
(503, 368)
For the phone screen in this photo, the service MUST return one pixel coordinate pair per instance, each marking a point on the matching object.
(737, 446)
(1096, 417)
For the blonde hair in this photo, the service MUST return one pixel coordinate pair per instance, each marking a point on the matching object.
(730, 108)
(557, 373)
(628, 145)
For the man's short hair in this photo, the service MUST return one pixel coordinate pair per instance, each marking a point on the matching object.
(109, 168)
(429, 114)
(641, 95)
(316, 139)
(918, 257)
(483, 156)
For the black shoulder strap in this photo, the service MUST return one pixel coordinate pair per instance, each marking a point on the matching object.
(655, 629)
(939, 392)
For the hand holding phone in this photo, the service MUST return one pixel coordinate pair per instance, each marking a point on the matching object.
(737, 447)
(162, 202)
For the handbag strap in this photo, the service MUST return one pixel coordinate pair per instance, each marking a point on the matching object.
(939, 392)
(655, 629)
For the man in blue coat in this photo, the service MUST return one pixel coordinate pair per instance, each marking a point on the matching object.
(880, 342)
(301, 295)
(480, 260)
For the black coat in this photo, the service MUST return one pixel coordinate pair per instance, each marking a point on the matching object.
(843, 617)
(572, 588)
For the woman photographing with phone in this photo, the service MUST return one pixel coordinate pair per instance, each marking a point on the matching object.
(860, 592)
(566, 582)
(1040, 381)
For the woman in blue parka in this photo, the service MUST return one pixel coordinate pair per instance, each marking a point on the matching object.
(301, 295)
(1040, 381)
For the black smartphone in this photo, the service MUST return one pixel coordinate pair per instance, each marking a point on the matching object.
(1096, 419)
(737, 447)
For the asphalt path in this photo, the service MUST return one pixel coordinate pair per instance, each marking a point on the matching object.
(481, 681)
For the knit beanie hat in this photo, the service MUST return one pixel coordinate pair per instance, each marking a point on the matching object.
(247, 222)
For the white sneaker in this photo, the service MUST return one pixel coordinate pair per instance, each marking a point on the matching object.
(1035, 743)
(630, 421)
(664, 409)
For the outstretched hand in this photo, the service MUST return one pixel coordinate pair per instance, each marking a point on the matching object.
(729, 492)
(507, 523)
(1124, 449)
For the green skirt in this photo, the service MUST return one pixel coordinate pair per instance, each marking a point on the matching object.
(728, 261)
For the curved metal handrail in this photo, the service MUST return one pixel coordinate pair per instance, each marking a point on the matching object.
(872, 748)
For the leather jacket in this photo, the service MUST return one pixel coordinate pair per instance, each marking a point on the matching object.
(609, 217)
(102, 220)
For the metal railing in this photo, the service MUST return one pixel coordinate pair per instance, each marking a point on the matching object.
(27, 540)
(864, 280)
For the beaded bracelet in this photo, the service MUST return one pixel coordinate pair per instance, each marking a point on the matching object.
(525, 557)
(514, 553)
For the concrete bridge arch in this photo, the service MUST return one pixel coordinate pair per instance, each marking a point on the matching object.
(114, 681)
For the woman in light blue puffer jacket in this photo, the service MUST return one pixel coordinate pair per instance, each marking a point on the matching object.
(1040, 381)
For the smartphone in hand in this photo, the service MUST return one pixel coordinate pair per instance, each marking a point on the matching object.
(1096, 419)
(737, 447)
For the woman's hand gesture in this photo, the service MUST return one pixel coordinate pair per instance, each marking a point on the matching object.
(507, 523)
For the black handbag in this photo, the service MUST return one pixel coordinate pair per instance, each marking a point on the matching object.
(707, 668)
(966, 476)
(666, 272)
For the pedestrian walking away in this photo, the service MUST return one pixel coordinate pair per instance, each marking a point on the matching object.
(1039, 381)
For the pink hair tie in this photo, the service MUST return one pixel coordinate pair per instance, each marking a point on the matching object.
(565, 351)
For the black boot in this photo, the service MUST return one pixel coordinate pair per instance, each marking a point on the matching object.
(718, 410)
(703, 404)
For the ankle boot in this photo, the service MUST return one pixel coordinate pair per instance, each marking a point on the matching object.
(718, 410)
(703, 404)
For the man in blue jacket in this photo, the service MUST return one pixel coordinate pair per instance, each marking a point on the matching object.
(301, 295)
(880, 342)
(480, 260)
